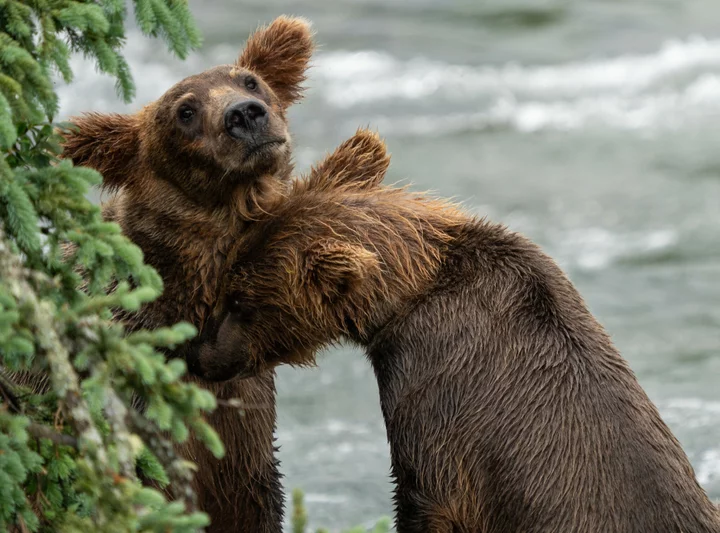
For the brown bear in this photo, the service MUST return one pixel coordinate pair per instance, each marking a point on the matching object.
(190, 169)
(507, 407)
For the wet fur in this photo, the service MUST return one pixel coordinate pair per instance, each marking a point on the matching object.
(185, 197)
(507, 407)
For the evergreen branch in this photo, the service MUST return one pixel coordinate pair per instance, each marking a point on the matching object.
(40, 431)
(8, 395)
(64, 379)
(84, 368)
(176, 468)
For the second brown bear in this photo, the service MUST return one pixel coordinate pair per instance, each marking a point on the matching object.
(507, 407)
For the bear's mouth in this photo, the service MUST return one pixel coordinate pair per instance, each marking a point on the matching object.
(256, 148)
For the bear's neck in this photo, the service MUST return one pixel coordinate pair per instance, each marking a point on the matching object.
(185, 241)
(223, 205)
(410, 234)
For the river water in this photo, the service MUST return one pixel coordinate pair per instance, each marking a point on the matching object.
(591, 126)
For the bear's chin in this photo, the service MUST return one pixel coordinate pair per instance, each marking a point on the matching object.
(235, 370)
(255, 160)
(271, 152)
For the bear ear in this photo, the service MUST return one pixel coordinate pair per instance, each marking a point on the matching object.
(335, 269)
(108, 143)
(360, 162)
(280, 54)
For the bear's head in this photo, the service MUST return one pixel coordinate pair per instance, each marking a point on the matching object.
(212, 132)
(299, 277)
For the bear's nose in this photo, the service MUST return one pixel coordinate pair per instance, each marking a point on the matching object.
(245, 116)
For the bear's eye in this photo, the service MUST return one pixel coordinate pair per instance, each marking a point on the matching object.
(238, 306)
(250, 84)
(235, 305)
(186, 114)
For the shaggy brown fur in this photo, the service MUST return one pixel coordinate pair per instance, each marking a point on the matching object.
(190, 170)
(507, 407)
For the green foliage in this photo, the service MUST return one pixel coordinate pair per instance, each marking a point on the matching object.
(299, 514)
(300, 519)
(71, 440)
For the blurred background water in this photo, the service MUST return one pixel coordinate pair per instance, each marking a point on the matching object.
(591, 126)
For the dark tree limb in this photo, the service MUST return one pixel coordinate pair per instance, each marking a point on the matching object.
(45, 432)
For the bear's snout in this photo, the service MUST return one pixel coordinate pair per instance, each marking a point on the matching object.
(208, 363)
(244, 117)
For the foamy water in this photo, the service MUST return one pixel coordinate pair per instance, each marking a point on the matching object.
(350, 78)
(597, 248)
(677, 84)
(666, 89)
(700, 417)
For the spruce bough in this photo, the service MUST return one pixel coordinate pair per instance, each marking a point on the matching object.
(71, 439)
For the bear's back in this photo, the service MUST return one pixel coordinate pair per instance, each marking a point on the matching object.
(507, 405)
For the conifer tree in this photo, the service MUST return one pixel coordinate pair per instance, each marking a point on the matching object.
(71, 439)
